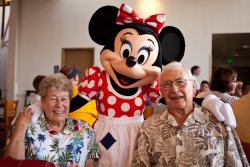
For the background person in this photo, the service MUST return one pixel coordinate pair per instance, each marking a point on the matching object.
(196, 71)
(238, 89)
(36, 81)
(184, 133)
(55, 136)
(223, 84)
(245, 88)
(203, 87)
(88, 112)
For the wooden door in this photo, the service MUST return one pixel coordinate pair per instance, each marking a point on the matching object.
(80, 57)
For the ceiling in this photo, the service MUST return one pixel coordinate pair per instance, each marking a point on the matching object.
(236, 45)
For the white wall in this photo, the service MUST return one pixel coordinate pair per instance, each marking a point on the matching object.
(47, 26)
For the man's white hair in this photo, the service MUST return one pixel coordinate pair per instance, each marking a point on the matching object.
(177, 65)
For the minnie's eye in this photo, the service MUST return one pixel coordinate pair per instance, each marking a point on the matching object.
(142, 56)
(125, 50)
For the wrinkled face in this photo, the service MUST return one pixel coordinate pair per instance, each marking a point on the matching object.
(130, 65)
(180, 95)
(56, 105)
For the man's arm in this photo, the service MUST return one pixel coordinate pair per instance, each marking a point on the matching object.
(236, 156)
(16, 147)
(141, 155)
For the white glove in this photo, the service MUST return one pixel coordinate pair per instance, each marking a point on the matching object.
(221, 110)
(37, 110)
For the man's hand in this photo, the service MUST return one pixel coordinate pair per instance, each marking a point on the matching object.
(221, 109)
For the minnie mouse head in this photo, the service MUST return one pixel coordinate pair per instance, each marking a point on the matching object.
(134, 49)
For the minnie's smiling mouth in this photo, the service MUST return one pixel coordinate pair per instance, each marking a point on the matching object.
(124, 80)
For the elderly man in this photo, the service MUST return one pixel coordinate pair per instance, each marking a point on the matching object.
(184, 134)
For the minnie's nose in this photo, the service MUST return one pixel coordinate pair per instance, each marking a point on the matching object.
(131, 61)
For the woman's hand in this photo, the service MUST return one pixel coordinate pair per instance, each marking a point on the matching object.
(24, 118)
(16, 146)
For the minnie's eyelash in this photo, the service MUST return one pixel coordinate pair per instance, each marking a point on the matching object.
(123, 39)
(151, 48)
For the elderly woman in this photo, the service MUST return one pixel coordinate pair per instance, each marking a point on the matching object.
(55, 136)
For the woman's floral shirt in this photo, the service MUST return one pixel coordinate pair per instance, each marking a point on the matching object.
(72, 146)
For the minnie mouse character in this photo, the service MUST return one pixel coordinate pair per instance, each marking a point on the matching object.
(134, 52)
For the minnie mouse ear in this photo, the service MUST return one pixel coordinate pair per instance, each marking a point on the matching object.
(102, 24)
(172, 44)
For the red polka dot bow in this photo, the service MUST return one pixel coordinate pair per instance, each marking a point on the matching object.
(127, 15)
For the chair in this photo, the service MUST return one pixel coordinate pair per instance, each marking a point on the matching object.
(2, 124)
(246, 147)
(10, 110)
(2, 104)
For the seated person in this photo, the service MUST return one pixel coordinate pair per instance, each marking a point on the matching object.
(54, 136)
(184, 134)
(224, 84)
(203, 87)
(238, 90)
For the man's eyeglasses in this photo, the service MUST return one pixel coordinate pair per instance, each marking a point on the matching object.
(180, 83)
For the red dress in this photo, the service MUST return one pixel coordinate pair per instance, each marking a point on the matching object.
(119, 116)
(96, 85)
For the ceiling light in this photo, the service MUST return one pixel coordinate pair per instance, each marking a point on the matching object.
(246, 46)
(236, 54)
